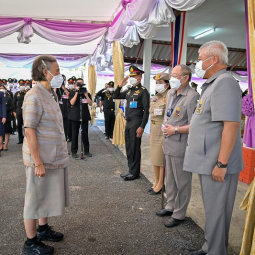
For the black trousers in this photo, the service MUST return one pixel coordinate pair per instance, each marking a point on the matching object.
(109, 118)
(19, 126)
(75, 135)
(70, 129)
(133, 146)
(65, 124)
(14, 126)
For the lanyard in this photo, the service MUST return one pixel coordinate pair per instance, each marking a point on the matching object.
(174, 103)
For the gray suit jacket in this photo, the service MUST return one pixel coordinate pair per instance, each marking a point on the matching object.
(175, 145)
(220, 101)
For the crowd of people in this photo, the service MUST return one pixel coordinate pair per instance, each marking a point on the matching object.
(189, 133)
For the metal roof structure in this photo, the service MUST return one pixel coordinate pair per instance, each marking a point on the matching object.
(161, 54)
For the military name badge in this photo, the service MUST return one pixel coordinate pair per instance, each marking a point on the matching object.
(158, 112)
(18, 95)
(137, 91)
(84, 101)
(199, 107)
(177, 113)
(64, 97)
(164, 99)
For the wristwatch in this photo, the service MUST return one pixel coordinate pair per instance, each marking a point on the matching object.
(220, 165)
(176, 131)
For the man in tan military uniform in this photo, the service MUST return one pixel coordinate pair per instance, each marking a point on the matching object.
(180, 105)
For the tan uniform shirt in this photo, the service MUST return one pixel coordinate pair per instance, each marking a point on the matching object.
(175, 145)
(157, 108)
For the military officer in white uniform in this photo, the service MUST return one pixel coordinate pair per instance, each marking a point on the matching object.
(214, 148)
(180, 104)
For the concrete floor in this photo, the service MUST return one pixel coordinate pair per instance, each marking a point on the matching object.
(195, 209)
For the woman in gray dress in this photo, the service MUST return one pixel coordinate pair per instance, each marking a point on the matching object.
(45, 157)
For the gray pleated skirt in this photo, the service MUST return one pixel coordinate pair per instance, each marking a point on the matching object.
(47, 196)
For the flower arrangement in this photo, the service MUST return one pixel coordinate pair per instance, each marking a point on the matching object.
(247, 105)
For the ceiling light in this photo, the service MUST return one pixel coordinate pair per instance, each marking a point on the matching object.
(205, 33)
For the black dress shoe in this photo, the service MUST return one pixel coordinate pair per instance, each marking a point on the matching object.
(107, 137)
(124, 175)
(150, 189)
(130, 177)
(88, 154)
(199, 252)
(171, 222)
(20, 142)
(164, 213)
(50, 235)
(152, 192)
(74, 155)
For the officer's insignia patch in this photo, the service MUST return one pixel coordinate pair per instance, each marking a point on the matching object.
(18, 94)
(164, 99)
(137, 91)
(143, 88)
(199, 107)
(131, 69)
(157, 76)
(177, 113)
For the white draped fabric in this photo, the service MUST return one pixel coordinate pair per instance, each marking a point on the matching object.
(27, 62)
(184, 5)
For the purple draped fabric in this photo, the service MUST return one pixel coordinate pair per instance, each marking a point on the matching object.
(61, 32)
(249, 131)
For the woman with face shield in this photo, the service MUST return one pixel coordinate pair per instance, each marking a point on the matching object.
(157, 111)
(45, 157)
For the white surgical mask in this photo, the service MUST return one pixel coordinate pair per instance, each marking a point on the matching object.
(71, 86)
(199, 70)
(160, 88)
(111, 89)
(10, 85)
(175, 83)
(2, 90)
(22, 88)
(27, 88)
(132, 81)
(56, 81)
(15, 86)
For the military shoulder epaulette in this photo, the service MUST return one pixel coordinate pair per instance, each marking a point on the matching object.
(143, 87)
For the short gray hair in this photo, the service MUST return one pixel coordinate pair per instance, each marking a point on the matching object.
(185, 70)
(216, 48)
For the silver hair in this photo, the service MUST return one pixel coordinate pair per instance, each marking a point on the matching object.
(216, 48)
(46, 63)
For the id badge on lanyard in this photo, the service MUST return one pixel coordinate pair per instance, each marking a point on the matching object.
(133, 104)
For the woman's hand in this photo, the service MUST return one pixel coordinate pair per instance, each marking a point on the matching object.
(40, 171)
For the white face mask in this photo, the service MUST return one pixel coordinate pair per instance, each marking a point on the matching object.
(71, 86)
(199, 70)
(132, 81)
(175, 83)
(56, 81)
(2, 90)
(27, 88)
(33, 85)
(15, 86)
(22, 88)
(160, 88)
(110, 89)
(11, 85)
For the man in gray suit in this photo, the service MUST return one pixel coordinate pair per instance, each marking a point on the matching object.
(214, 148)
(180, 104)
